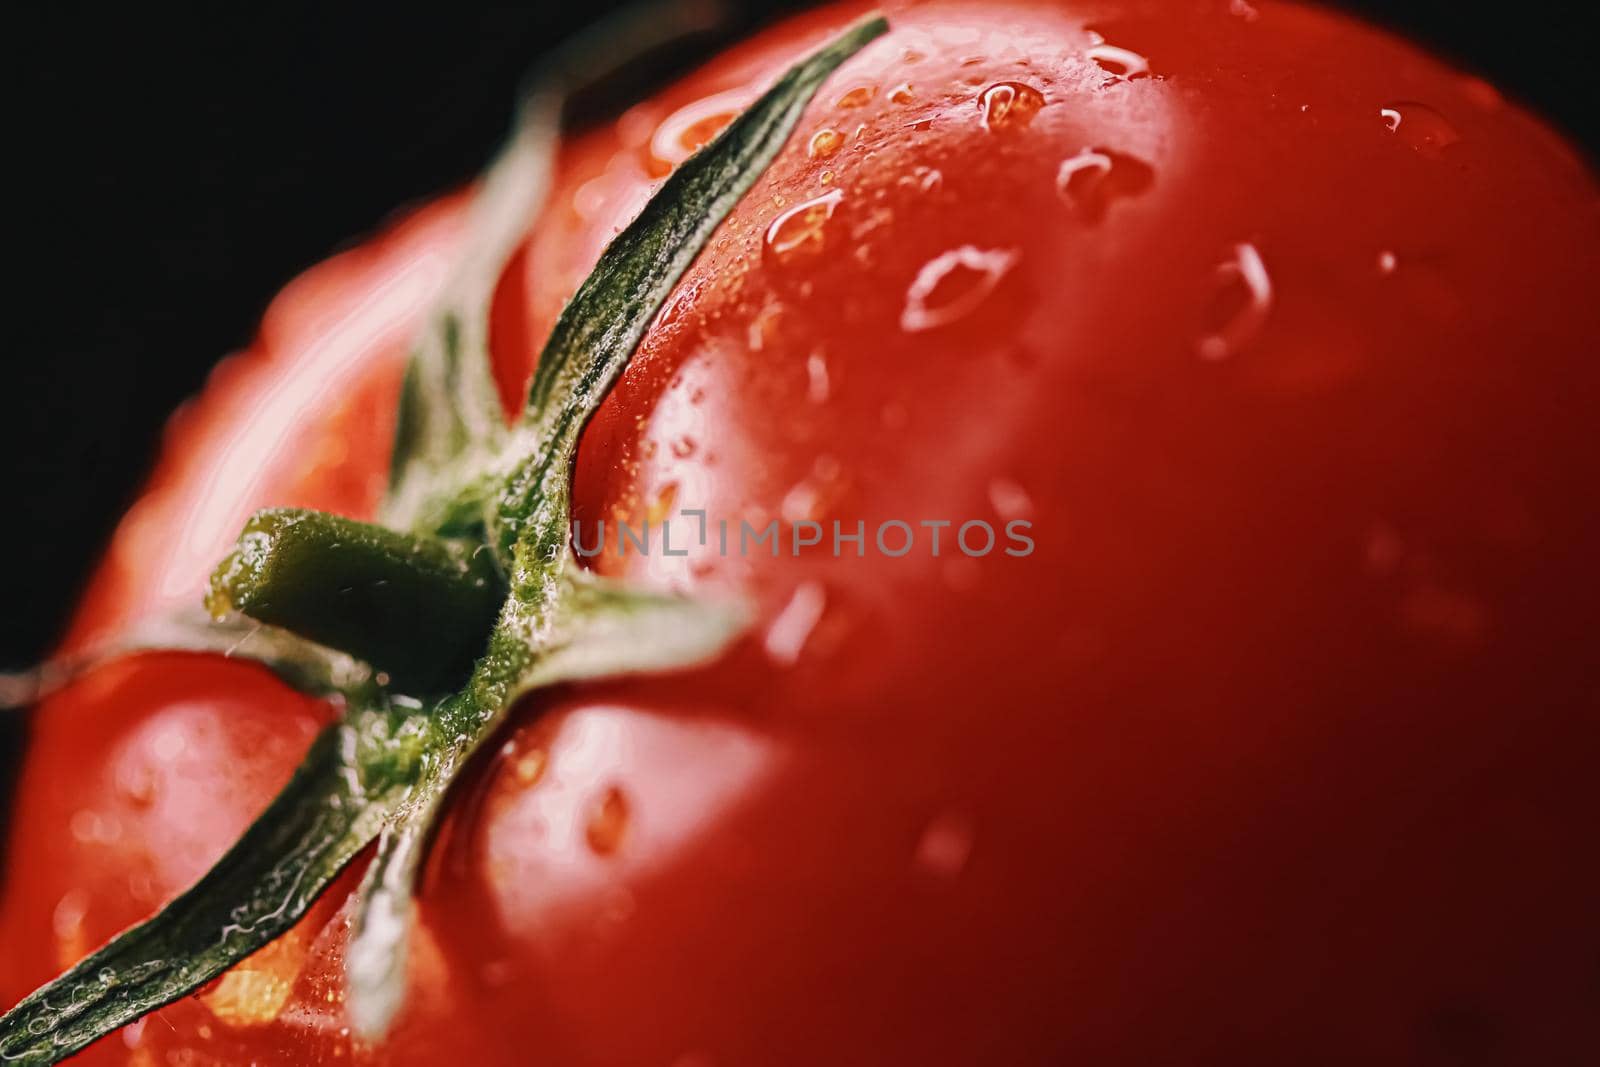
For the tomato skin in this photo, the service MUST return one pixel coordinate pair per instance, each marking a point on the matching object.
(1276, 748)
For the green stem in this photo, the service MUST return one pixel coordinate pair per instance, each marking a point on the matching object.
(417, 609)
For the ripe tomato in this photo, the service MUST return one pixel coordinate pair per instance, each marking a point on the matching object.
(1276, 748)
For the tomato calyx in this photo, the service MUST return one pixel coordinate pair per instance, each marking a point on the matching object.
(471, 597)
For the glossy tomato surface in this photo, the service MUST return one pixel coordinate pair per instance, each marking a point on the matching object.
(1279, 745)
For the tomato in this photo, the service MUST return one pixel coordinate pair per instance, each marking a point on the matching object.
(1275, 748)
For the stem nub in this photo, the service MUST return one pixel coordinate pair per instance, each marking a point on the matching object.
(418, 609)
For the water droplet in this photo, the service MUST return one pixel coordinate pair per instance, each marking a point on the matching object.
(608, 822)
(691, 127)
(661, 508)
(169, 744)
(1088, 165)
(1009, 104)
(860, 96)
(902, 93)
(67, 919)
(1245, 300)
(87, 827)
(141, 887)
(1420, 126)
(136, 782)
(817, 385)
(255, 992)
(1089, 181)
(589, 199)
(802, 502)
(497, 974)
(953, 285)
(946, 844)
(798, 232)
(825, 142)
(684, 447)
(529, 767)
(1118, 62)
(1387, 262)
(810, 497)
(787, 635)
(764, 328)
(132, 1037)
(1010, 500)
(246, 997)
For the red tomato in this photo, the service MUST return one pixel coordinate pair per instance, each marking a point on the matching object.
(1277, 748)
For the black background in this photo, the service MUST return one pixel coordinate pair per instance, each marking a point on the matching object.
(173, 172)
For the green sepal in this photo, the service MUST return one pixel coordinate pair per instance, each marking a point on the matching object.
(332, 808)
(304, 665)
(451, 430)
(599, 629)
(608, 316)
(387, 767)
(559, 622)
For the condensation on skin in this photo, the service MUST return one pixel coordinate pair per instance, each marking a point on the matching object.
(824, 143)
(676, 780)
(691, 127)
(1009, 105)
(1120, 63)
(986, 268)
(1090, 181)
(1245, 269)
(1423, 128)
(608, 822)
(787, 635)
(818, 385)
(860, 96)
(945, 845)
(255, 992)
(1010, 500)
(800, 231)
(1086, 163)
(67, 923)
(526, 768)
